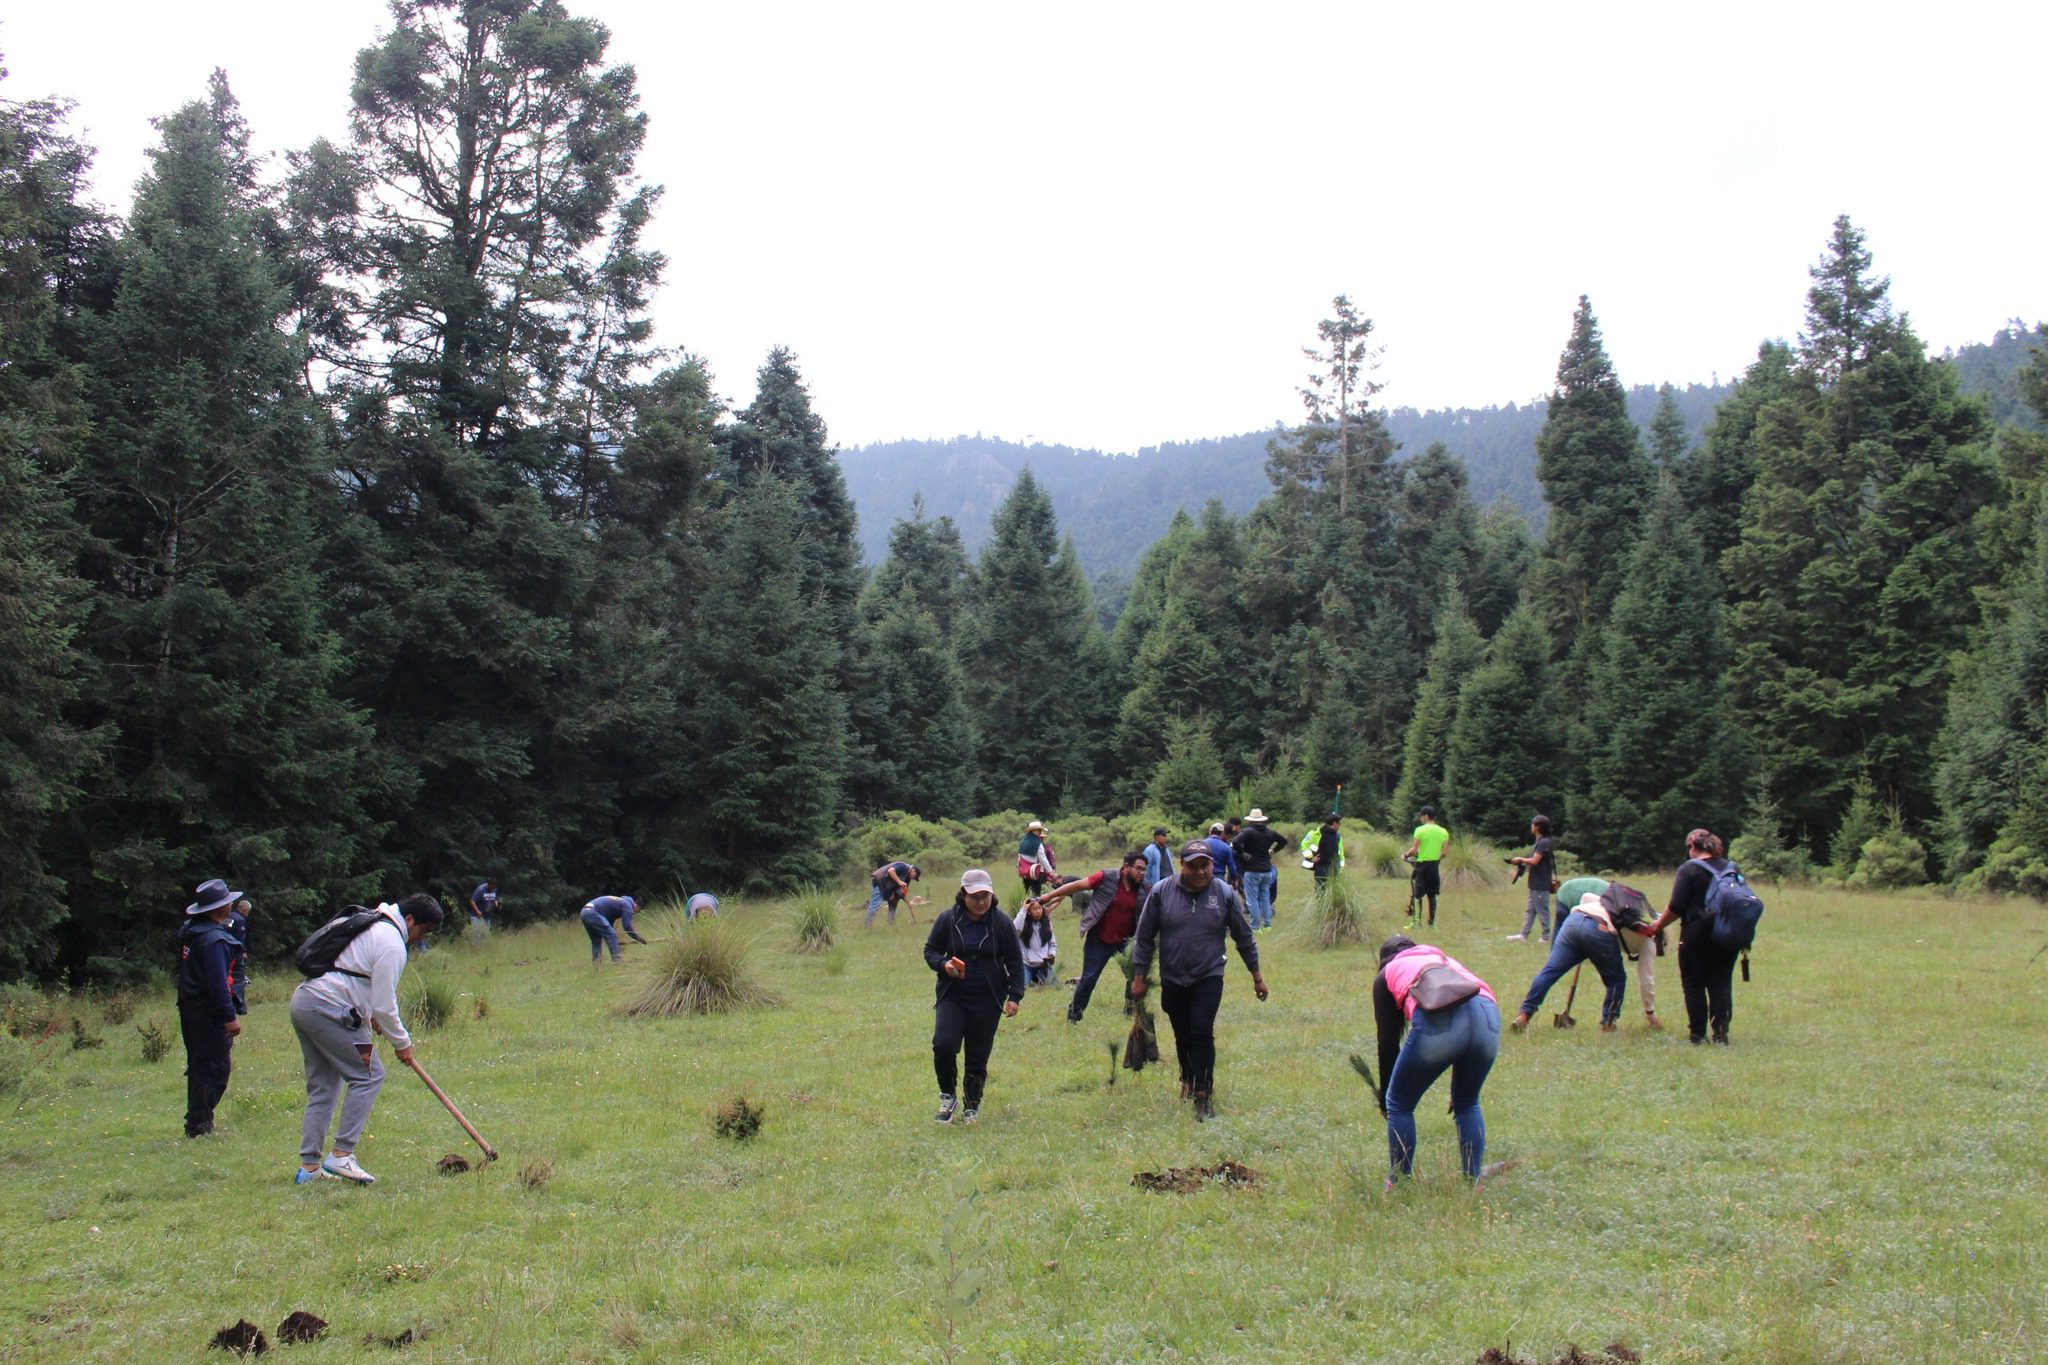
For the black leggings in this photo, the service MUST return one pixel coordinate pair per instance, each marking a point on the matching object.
(209, 1055)
(974, 1021)
(1192, 1010)
(1707, 972)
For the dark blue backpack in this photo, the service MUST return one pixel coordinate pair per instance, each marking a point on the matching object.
(1732, 909)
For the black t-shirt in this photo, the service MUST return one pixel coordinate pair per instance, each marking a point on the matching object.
(1254, 848)
(1545, 869)
(1689, 888)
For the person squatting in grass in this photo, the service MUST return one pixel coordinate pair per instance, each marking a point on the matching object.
(1426, 847)
(1587, 933)
(1255, 847)
(600, 915)
(1638, 944)
(973, 949)
(1035, 937)
(334, 1015)
(891, 883)
(1706, 970)
(483, 903)
(1108, 922)
(1461, 1034)
(1184, 922)
(703, 903)
(1541, 864)
(210, 1000)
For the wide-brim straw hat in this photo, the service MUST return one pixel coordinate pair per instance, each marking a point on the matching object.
(1257, 817)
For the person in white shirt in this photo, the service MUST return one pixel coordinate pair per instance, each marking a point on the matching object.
(1035, 937)
(335, 1014)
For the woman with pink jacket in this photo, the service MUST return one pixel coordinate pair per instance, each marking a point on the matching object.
(1452, 1022)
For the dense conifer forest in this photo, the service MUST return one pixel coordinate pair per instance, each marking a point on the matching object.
(357, 533)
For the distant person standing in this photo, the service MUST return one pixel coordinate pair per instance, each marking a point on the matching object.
(1225, 860)
(1184, 923)
(1107, 923)
(1255, 848)
(601, 914)
(1327, 853)
(1427, 849)
(335, 1014)
(890, 883)
(483, 903)
(209, 1006)
(973, 950)
(1035, 862)
(1540, 863)
(1158, 857)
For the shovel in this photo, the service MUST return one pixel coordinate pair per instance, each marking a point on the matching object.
(1565, 1019)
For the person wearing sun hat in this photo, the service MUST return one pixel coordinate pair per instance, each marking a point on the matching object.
(1254, 848)
(209, 1012)
(979, 963)
(1184, 923)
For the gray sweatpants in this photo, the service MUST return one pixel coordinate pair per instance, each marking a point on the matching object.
(1539, 908)
(328, 1036)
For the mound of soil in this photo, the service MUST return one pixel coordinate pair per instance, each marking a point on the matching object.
(301, 1326)
(245, 1338)
(452, 1164)
(1615, 1354)
(405, 1338)
(1187, 1179)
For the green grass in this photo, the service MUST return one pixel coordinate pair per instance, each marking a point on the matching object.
(1859, 1178)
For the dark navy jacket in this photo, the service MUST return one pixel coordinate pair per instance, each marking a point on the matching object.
(209, 961)
(999, 965)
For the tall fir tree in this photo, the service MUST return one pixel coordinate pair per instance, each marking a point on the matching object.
(1501, 566)
(1506, 757)
(207, 509)
(1456, 654)
(1664, 755)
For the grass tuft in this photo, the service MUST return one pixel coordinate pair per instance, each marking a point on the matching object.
(702, 969)
(1383, 856)
(430, 997)
(1470, 863)
(536, 1173)
(1336, 914)
(814, 918)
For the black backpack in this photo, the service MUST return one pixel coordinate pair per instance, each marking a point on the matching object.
(317, 955)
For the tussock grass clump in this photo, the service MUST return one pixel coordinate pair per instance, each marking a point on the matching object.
(738, 1118)
(837, 959)
(1470, 862)
(814, 918)
(1336, 914)
(1383, 856)
(703, 969)
(429, 999)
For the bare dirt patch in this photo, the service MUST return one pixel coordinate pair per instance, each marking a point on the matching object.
(1616, 1354)
(1230, 1175)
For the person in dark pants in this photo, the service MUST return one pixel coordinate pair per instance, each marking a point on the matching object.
(598, 917)
(1587, 933)
(1184, 922)
(1329, 848)
(1107, 923)
(973, 948)
(1461, 1036)
(209, 960)
(238, 925)
(1706, 970)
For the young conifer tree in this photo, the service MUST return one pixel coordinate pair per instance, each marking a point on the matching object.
(1507, 747)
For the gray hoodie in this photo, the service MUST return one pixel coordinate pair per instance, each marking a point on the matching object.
(1188, 932)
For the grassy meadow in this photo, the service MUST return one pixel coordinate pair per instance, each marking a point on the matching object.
(1860, 1177)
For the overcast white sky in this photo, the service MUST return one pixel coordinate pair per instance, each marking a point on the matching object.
(1115, 224)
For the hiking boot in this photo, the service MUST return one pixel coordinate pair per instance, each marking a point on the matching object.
(345, 1168)
(1205, 1107)
(1520, 1024)
(200, 1130)
(969, 1114)
(1720, 1037)
(1610, 1028)
(1697, 1039)
(1651, 1020)
(946, 1106)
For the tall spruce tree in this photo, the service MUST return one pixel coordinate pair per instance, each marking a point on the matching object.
(1501, 567)
(207, 507)
(1457, 654)
(1505, 761)
(1664, 755)
(49, 239)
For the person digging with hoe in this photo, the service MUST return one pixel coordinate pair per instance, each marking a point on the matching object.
(1183, 923)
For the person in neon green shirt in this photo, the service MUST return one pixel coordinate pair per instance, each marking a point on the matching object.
(1427, 851)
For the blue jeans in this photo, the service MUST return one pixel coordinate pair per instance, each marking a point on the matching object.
(1581, 939)
(1095, 955)
(601, 934)
(1258, 897)
(1464, 1038)
(875, 899)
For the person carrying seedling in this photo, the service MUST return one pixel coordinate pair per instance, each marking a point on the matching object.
(600, 915)
(1540, 862)
(1452, 1022)
(890, 883)
(209, 1002)
(352, 966)
(1184, 923)
(1427, 849)
(1325, 849)
(973, 949)
(1107, 923)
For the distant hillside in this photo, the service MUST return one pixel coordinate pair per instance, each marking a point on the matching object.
(1116, 505)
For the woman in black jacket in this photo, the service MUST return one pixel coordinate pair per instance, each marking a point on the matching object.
(974, 950)
(1705, 969)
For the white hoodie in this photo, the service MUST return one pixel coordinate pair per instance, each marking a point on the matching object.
(379, 954)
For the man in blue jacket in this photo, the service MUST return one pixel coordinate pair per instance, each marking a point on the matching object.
(209, 962)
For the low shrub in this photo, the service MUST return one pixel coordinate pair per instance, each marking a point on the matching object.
(814, 918)
(703, 969)
(535, 1173)
(119, 1008)
(1765, 858)
(156, 1041)
(738, 1119)
(80, 1039)
(27, 1012)
(1893, 859)
(898, 836)
(2011, 865)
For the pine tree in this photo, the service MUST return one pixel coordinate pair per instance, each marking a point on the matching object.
(1507, 745)
(1456, 655)
(1663, 754)
(48, 237)
(1669, 441)
(208, 506)
(1438, 536)
(1848, 313)
(1717, 476)
(1189, 785)
(1501, 569)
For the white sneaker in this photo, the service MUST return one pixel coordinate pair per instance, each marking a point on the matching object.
(345, 1168)
(1518, 938)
